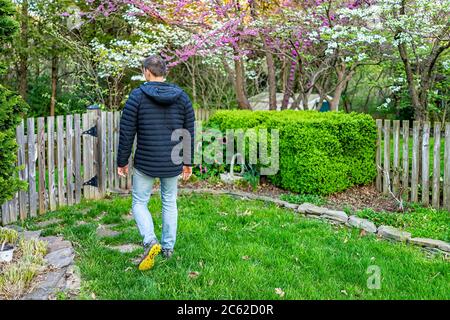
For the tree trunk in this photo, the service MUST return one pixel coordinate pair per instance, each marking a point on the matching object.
(54, 83)
(334, 103)
(194, 84)
(289, 86)
(271, 75)
(239, 84)
(419, 114)
(23, 52)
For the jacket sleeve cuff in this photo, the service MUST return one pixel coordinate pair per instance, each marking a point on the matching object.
(122, 164)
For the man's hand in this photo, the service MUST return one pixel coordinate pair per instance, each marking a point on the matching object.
(187, 173)
(122, 171)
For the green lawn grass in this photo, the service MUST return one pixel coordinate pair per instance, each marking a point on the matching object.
(305, 258)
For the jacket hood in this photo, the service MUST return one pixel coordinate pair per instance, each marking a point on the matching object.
(162, 93)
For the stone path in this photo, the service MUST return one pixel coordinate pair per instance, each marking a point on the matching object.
(126, 248)
(105, 231)
(49, 222)
(63, 275)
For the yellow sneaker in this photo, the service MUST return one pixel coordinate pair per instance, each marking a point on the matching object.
(148, 259)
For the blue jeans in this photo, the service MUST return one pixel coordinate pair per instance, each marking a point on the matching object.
(142, 189)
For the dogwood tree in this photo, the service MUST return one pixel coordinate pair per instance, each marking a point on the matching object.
(418, 33)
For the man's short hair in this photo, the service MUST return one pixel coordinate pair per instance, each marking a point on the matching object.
(156, 65)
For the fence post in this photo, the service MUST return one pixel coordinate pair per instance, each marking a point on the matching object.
(86, 158)
(101, 153)
(23, 174)
(396, 136)
(60, 153)
(415, 162)
(426, 164)
(51, 162)
(41, 163)
(32, 166)
(405, 159)
(387, 156)
(69, 160)
(378, 155)
(436, 193)
(77, 161)
(446, 195)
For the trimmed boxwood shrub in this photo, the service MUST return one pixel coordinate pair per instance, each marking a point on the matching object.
(12, 108)
(320, 152)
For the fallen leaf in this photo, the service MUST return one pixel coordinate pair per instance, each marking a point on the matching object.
(279, 292)
(362, 233)
(210, 282)
(245, 257)
(344, 292)
(93, 296)
(193, 274)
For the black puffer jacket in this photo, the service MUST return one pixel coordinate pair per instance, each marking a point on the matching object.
(152, 112)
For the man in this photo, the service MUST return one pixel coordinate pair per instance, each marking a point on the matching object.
(153, 111)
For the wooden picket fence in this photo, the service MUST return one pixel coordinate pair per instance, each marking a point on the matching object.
(404, 163)
(62, 165)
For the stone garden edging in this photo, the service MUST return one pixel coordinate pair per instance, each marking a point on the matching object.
(61, 273)
(340, 217)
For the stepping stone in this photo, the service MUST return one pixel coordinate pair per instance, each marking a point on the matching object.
(103, 231)
(60, 258)
(309, 208)
(338, 216)
(46, 223)
(126, 248)
(14, 227)
(392, 233)
(361, 223)
(56, 243)
(431, 243)
(47, 286)
(100, 216)
(29, 235)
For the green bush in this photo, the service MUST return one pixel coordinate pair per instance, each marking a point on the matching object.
(12, 108)
(320, 153)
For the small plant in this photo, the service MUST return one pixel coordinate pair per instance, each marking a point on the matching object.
(16, 276)
(302, 198)
(7, 236)
(251, 175)
(204, 171)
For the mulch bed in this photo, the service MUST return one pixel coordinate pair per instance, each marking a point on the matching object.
(356, 198)
(264, 188)
(362, 197)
